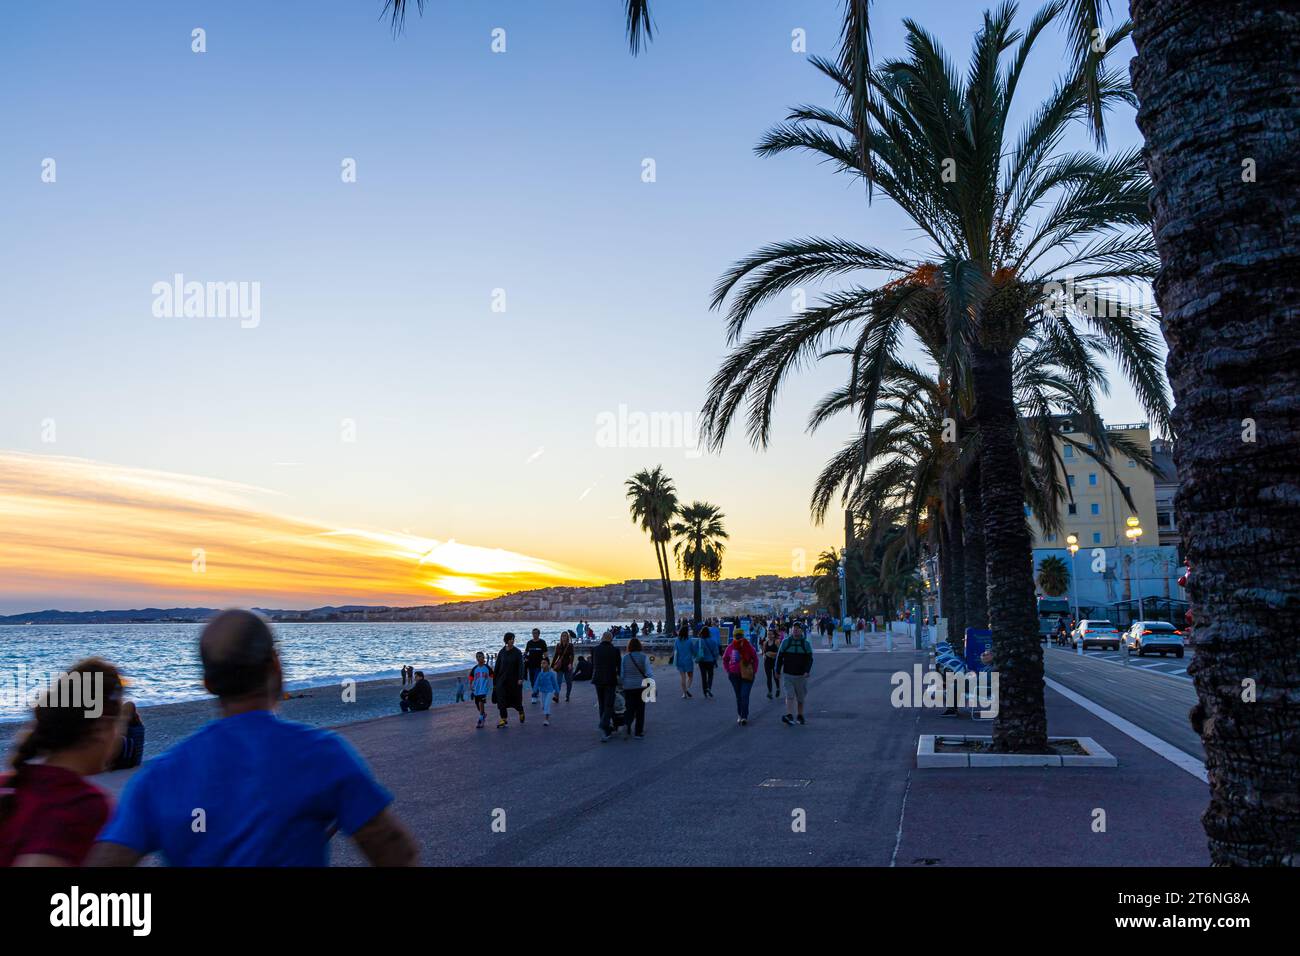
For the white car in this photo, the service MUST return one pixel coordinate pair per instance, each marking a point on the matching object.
(1156, 637)
(1097, 632)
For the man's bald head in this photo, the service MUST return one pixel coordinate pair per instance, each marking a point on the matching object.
(238, 652)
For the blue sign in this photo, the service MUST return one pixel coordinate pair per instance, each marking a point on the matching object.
(977, 642)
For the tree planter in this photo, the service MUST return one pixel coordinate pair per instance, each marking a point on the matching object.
(931, 755)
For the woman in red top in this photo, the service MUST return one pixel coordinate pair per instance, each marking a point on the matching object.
(740, 661)
(49, 813)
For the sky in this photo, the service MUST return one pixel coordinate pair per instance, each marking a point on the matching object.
(437, 392)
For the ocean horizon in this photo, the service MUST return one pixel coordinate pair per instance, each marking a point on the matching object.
(161, 661)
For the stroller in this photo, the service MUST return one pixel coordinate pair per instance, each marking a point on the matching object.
(620, 709)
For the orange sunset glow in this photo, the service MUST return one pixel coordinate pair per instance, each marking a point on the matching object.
(115, 536)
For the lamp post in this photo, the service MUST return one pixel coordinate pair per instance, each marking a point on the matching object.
(1072, 542)
(844, 597)
(1133, 532)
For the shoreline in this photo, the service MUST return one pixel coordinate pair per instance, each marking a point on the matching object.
(318, 706)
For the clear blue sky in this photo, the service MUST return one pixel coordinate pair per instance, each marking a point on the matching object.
(476, 171)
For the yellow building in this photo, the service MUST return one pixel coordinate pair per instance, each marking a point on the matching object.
(1098, 513)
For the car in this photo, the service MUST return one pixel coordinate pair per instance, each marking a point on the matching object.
(1156, 637)
(1096, 632)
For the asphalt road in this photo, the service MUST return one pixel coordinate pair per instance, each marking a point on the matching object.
(1155, 698)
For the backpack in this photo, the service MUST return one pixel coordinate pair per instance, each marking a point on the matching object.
(746, 668)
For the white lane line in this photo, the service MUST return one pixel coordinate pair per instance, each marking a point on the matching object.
(1167, 750)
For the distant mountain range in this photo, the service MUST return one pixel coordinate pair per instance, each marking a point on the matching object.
(639, 599)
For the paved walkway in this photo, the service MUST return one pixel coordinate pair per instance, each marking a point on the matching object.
(701, 791)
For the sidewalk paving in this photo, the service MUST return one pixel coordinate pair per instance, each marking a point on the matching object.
(693, 792)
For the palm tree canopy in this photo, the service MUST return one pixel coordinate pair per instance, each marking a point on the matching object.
(652, 500)
(701, 539)
(1012, 222)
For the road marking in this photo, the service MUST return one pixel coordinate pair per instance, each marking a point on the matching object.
(1167, 750)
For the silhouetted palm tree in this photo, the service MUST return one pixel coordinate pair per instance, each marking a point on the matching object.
(1053, 576)
(652, 499)
(1011, 223)
(701, 542)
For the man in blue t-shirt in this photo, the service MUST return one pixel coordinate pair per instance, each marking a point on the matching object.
(250, 789)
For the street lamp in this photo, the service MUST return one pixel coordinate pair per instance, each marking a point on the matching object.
(1133, 532)
(844, 598)
(1072, 542)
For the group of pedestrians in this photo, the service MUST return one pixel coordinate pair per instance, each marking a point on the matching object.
(308, 783)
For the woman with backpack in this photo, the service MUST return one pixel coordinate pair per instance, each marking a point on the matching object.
(740, 661)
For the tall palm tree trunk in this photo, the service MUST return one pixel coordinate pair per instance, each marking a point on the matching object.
(699, 597)
(976, 574)
(1021, 724)
(954, 574)
(1218, 86)
(665, 578)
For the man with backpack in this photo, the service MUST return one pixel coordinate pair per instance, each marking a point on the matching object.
(794, 660)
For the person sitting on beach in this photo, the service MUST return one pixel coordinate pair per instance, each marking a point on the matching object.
(582, 670)
(419, 697)
(250, 789)
(508, 681)
(49, 812)
(480, 685)
(549, 687)
(131, 751)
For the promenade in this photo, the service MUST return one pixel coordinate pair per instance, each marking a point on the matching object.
(701, 791)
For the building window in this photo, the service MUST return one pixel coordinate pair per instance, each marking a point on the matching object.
(1096, 508)
(1051, 537)
(1092, 478)
(1028, 511)
(1132, 463)
(1096, 537)
(1069, 451)
(1074, 509)
(1069, 480)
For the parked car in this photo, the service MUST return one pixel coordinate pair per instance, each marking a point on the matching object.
(1096, 632)
(1158, 637)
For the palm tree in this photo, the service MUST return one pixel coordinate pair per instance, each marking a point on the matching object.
(701, 541)
(1005, 227)
(826, 579)
(1053, 576)
(653, 502)
(1218, 94)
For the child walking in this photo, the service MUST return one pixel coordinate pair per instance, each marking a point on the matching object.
(548, 685)
(460, 689)
(480, 685)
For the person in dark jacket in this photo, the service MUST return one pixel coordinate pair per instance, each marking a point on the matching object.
(534, 651)
(606, 663)
(419, 697)
(508, 683)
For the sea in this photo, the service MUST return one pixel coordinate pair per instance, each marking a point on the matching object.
(161, 661)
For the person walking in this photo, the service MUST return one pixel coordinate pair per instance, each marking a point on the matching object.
(636, 672)
(534, 651)
(508, 681)
(741, 664)
(480, 685)
(270, 792)
(707, 652)
(549, 687)
(49, 811)
(771, 645)
(606, 663)
(684, 658)
(562, 665)
(794, 661)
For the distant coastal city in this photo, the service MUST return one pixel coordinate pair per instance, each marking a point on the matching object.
(636, 599)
